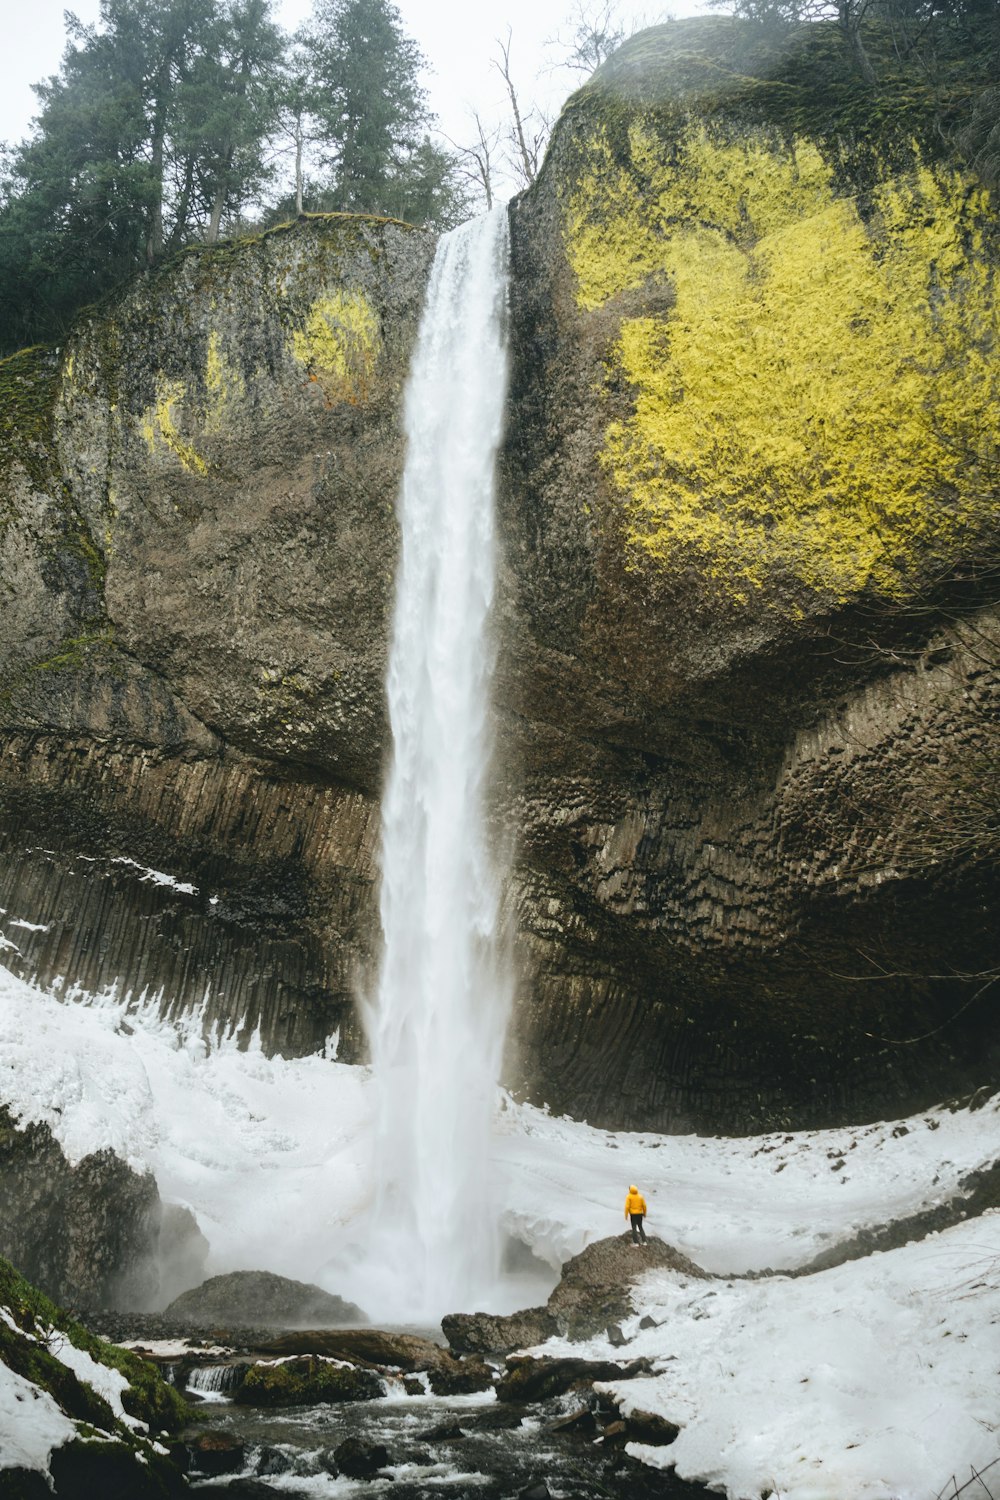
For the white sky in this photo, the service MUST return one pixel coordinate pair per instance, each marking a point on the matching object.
(458, 40)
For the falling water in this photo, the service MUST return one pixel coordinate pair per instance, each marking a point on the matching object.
(437, 1029)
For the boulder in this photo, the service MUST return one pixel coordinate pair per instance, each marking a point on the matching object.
(650, 1427)
(260, 1299)
(487, 1333)
(460, 1377)
(528, 1379)
(216, 1452)
(360, 1460)
(307, 1381)
(372, 1346)
(595, 1286)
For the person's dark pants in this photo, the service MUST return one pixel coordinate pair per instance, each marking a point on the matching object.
(638, 1233)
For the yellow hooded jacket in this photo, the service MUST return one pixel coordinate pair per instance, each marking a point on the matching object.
(635, 1203)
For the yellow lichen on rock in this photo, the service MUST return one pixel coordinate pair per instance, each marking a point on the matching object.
(224, 386)
(339, 345)
(822, 403)
(160, 430)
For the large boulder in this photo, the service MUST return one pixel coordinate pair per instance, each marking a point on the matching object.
(593, 1291)
(260, 1299)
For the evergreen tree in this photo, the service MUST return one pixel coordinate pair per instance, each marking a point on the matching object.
(370, 108)
(152, 131)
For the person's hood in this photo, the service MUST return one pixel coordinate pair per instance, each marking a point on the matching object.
(633, 1188)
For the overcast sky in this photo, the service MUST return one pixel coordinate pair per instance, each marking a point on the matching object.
(456, 36)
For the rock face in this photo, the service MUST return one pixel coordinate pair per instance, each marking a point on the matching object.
(93, 1235)
(199, 537)
(747, 653)
(747, 618)
(260, 1299)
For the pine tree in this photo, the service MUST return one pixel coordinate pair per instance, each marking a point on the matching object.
(370, 108)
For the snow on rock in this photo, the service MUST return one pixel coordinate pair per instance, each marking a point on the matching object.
(31, 1424)
(103, 1379)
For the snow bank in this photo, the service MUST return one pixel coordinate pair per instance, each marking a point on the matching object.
(872, 1381)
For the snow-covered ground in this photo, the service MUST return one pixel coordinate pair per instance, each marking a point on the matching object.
(876, 1379)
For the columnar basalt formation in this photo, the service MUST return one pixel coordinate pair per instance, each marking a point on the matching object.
(200, 548)
(748, 641)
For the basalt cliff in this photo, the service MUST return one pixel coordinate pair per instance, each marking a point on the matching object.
(747, 634)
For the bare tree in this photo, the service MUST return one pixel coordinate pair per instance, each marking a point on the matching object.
(595, 31)
(477, 163)
(529, 129)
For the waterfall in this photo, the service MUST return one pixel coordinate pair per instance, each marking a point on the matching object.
(438, 1023)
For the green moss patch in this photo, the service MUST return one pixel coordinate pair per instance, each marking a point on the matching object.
(306, 1381)
(29, 382)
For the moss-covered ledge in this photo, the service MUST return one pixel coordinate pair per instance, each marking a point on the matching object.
(108, 1413)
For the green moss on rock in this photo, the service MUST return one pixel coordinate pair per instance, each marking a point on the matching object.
(306, 1381)
(29, 385)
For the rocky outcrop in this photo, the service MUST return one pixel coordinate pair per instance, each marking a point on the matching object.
(261, 1299)
(199, 541)
(101, 1418)
(750, 649)
(91, 1235)
(593, 1291)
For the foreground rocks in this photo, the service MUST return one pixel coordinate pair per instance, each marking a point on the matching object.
(594, 1290)
(74, 1382)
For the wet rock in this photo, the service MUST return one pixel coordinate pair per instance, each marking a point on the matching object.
(595, 1286)
(615, 1434)
(460, 1377)
(373, 1346)
(216, 1452)
(615, 1337)
(647, 1322)
(412, 1386)
(650, 1427)
(360, 1460)
(582, 1420)
(530, 1379)
(262, 1299)
(535, 1492)
(86, 1235)
(483, 1333)
(307, 1381)
(271, 1461)
(445, 1432)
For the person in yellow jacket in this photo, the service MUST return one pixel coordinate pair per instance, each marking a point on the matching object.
(635, 1209)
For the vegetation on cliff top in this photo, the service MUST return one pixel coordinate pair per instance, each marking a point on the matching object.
(816, 412)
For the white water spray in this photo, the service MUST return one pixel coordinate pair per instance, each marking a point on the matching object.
(438, 1026)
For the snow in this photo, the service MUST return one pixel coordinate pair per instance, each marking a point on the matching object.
(31, 1424)
(872, 1381)
(101, 1378)
(157, 877)
(876, 1380)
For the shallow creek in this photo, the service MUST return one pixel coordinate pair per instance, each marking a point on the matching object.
(437, 1447)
